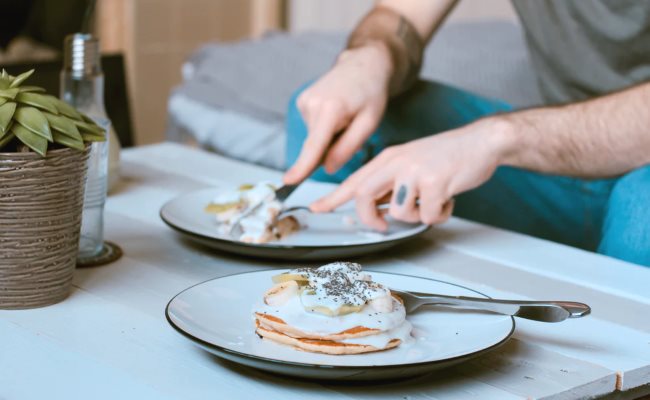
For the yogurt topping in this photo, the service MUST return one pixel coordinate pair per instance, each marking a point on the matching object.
(293, 313)
(338, 284)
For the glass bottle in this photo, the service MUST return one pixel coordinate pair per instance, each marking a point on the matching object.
(82, 86)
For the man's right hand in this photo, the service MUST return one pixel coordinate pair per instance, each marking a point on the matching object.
(350, 98)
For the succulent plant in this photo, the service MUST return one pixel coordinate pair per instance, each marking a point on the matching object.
(33, 119)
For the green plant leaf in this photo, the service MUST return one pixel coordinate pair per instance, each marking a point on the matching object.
(91, 128)
(37, 100)
(30, 139)
(65, 108)
(68, 141)
(6, 132)
(64, 126)
(89, 137)
(3, 100)
(7, 111)
(4, 140)
(34, 120)
(32, 89)
(21, 78)
(4, 80)
(9, 93)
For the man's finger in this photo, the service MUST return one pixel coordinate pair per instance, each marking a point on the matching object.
(342, 194)
(433, 205)
(447, 210)
(352, 139)
(367, 196)
(403, 205)
(321, 129)
(345, 191)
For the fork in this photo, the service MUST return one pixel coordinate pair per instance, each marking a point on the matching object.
(544, 311)
(291, 210)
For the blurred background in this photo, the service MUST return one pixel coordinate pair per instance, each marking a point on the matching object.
(147, 42)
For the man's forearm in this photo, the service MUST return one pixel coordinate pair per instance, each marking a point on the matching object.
(402, 28)
(598, 138)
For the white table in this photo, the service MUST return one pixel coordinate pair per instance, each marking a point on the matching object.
(110, 340)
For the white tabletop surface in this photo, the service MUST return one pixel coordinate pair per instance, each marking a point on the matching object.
(110, 339)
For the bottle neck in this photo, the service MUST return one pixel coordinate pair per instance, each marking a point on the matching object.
(85, 93)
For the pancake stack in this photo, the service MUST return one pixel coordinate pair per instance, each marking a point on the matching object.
(335, 309)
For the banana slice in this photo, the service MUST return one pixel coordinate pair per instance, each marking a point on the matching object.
(288, 276)
(343, 310)
(306, 290)
(215, 208)
(281, 293)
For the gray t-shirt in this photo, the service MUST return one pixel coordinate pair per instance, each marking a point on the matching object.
(584, 48)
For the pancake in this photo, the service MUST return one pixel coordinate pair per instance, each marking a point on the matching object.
(277, 324)
(321, 346)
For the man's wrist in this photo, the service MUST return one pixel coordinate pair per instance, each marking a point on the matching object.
(376, 51)
(502, 135)
(401, 40)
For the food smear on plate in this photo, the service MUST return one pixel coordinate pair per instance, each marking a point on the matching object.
(264, 224)
(335, 309)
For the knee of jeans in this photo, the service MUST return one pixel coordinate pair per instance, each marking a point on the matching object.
(626, 229)
(295, 127)
(632, 188)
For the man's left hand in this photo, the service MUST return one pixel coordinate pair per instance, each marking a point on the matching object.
(423, 175)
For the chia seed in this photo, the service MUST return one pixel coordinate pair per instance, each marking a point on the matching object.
(341, 282)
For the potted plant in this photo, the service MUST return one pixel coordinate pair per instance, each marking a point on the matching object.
(44, 147)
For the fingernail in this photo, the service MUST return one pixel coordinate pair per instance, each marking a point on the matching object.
(330, 168)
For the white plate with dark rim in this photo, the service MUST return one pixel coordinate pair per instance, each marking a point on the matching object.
(217, 316)
(323, 236)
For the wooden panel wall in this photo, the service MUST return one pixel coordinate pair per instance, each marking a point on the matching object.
(158, 35)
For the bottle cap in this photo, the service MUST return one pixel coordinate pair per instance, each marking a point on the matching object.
(81, 55)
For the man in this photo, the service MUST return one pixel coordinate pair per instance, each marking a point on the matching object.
(574, 171)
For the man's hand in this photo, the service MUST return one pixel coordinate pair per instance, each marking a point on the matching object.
(383, 58)
(432, 170)
(350, 98)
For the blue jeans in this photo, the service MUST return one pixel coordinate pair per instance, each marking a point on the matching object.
(611, 216)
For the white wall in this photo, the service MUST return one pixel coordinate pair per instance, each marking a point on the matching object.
(332, 15)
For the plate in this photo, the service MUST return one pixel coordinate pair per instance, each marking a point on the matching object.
(217, 316)
(325, 236)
